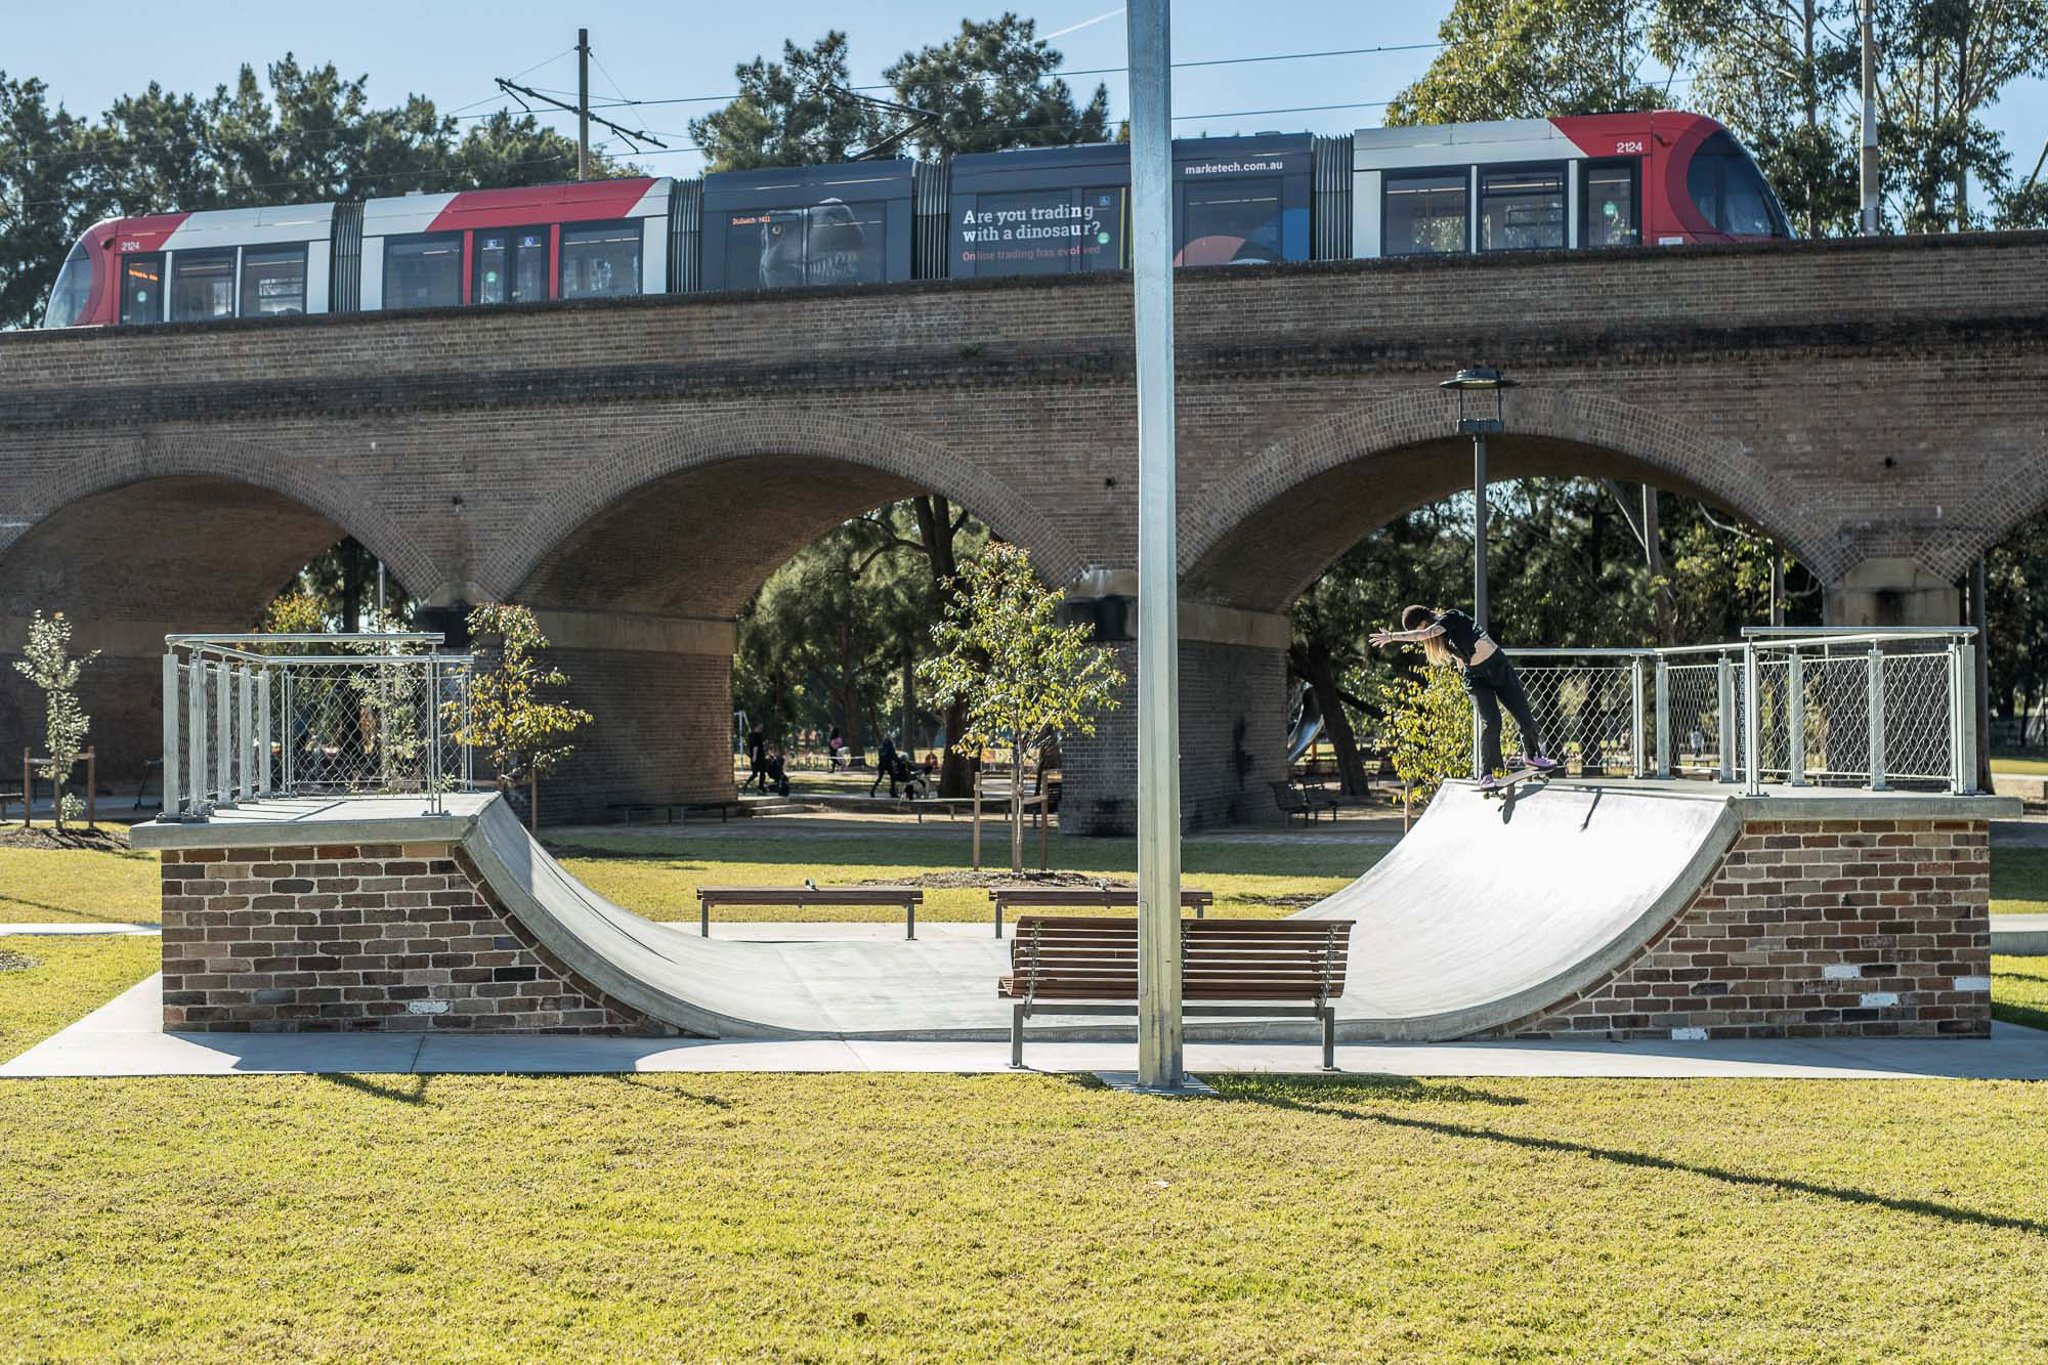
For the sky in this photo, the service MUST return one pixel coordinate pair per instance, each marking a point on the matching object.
(686, 50)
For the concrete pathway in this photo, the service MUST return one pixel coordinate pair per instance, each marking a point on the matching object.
(2018, 935)
(56, 930)
(123, 1038)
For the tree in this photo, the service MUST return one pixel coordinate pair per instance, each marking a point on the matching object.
(785, 116)
(523, 735)
(1782, 74)
(1023, 678)
(1944, 63)
(1428, 730)
(1508, 59)
(992, 86)
(46, 661)
(46, 196)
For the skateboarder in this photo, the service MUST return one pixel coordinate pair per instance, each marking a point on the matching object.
(1453, 640)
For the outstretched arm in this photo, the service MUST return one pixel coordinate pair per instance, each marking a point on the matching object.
(1393, 637)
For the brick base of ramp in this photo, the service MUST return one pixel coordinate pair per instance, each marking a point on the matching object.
(1810, 915)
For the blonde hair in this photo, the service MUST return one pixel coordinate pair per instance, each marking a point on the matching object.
(1419, 617)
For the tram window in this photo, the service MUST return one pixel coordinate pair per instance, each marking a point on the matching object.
(273, 281)
(1521, 208)
(1425, 214)
(1730, 192)
(202, 285)
(601, 260)
(511, 265)
(69, 300)
(1230, 222)
(142, 289)
(423, 271)
(1610, 213)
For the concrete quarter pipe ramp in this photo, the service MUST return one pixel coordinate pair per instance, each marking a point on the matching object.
(1637, 909)
(1487, 912)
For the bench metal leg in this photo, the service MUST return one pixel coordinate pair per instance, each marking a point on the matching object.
(910, 920)
(1017, 1013)
(1329, 1038)
(704, 916)
(999, 919)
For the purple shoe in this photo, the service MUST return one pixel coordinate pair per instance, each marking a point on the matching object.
(1490, 783)
(1541, 764)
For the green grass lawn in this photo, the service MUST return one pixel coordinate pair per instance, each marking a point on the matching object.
(879, 1217)
(73, 886)
(2019, 881)
(72, 978)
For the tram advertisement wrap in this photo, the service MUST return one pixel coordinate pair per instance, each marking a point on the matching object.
(1040, 232)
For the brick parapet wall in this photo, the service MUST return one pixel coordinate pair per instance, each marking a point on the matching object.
(351, 937)
(1813, 928)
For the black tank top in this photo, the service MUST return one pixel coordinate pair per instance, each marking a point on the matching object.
(1461, 633)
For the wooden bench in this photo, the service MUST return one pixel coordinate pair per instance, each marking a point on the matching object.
(1084, 898)
(1305, 802)
(1289, 967)
(710, 898)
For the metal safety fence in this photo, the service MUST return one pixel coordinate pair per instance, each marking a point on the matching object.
(1791, 705)
(251, 716)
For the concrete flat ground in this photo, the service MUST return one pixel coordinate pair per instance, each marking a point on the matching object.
(125, 1038)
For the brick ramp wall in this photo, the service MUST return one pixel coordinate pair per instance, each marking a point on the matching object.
(1813, 928)
(350, 937)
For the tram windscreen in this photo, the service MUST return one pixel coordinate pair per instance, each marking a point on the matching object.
(1731, 193)
(73, 292)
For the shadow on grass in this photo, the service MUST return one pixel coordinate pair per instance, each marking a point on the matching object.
(401, 1089)
(2026, 1015)
(1924, 1208)
(668, 1091)
(83, 916)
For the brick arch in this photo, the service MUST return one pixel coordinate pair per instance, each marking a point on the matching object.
(841, 466)
(1971, 527)
(1242, 543)
(235, 461)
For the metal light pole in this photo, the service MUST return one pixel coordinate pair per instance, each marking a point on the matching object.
(1478, 380)
(1160, 1062)
(1870, 171)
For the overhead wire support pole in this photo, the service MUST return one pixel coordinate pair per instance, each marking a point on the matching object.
(1870, 169)
(1160, 1054)
(583, 104)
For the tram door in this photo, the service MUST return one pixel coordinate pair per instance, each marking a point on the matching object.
(1611, 205)
(142, 288)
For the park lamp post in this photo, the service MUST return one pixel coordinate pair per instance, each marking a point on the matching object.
(1472, 385)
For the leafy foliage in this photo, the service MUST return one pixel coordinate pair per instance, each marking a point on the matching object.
(1024, 678)
(523, 734)
(992, 85)
(297, 134)
(1507, 59)
(1427, 731)
(46, 662)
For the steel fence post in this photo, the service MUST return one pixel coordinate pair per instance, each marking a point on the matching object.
(1876, 698)
(1724, 726)
(195, 735)
(266, 783)
(1663, 717)
(1635, 695)
(287, 734)
(1752, 719)
(223, 736)
(1795, 719)
(433, 734)
(245, 691)
(1962, 713)
(172, 739)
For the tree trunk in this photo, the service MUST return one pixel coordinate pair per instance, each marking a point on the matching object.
(353, 580)
(1315, 664)
(1653, 560)
(935, 529)
(956, 770)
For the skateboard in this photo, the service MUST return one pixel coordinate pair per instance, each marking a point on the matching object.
(1501, 790)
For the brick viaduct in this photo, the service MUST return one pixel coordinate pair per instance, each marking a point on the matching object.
(634, 469)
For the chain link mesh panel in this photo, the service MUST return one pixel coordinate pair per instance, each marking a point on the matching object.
(1586, 709)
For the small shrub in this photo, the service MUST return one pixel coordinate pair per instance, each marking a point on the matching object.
(1427, 729)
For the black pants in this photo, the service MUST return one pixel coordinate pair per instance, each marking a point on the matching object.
(1493, 684)
(884, 768)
